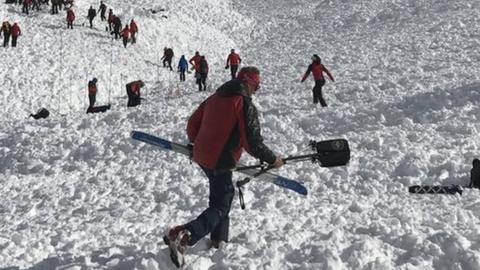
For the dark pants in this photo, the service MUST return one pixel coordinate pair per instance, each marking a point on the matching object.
(90, 20)
(215, 219)
(14, 41)
(25, 9)
(133, 100)
(91, 100)
(317, 93)
(169, 62)
(182, 75)
(233, 70)
(70, 25)
(54, 9)
(125, 42)
(134, 38)
(201, 80)
(116, 33)
(6, 39)
(102, 15)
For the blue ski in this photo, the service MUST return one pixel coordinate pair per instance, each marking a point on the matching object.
(183, 149)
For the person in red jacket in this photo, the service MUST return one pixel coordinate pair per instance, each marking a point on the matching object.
(133, 93)
(217, 148)
(126, 35)
(233, 60)
(195, 62)
(92, 92)
(133, 31)
(317, 69)
(70, 18)
(15, 33)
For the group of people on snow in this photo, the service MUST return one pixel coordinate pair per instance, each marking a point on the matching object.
(10, 31)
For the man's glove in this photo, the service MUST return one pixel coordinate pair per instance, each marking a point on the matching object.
(226, 67)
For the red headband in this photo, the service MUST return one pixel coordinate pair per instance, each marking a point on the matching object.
(251, 78)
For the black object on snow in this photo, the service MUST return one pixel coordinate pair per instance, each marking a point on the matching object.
(98, 109)
(427, 189)
(42, 113)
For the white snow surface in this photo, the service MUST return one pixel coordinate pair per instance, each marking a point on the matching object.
(78, 193)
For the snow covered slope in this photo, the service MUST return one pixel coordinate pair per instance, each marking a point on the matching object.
(77, 192)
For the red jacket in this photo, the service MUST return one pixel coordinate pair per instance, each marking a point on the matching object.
(220, 146)
(92, 88)
(233, 59)
(317, 69)
(16, 30)
(195, 62)
(70, 16)
(135, 87)
(125, 32)
(133, 27)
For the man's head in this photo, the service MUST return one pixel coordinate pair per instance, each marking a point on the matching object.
(197, 53)
(94, 80)
(316, 58)
(476, 163)
(232, 50)
(250, 76)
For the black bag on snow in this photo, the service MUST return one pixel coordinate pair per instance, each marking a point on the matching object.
(42, 113)
(98, 109)
(333, 152)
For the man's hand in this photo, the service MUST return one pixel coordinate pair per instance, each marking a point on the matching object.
(278, 162)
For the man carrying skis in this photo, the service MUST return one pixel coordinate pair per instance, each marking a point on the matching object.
(317, 69)
(233, 60)
(217, 148)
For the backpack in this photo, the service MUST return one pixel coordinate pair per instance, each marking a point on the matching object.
(333, 152)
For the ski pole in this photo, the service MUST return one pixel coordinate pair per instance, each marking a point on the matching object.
(290, 158)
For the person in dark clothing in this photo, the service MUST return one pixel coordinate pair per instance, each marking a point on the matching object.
(182, 67)
(317, 69)
(110, 19)
(26, 6)
(217, 148)
(6, 30)
(92, 92)
(117, 25)
(233, 60)
(15, 33)
(102, 9)
(167, 57)
(133, 93)
(202, 74)
(475, 174)
(91, 15)
(55, 5)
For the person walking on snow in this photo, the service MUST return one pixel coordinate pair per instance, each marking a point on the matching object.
(55, 4)
(102, 8)
(70, 18)
(91, 15)
(110, 19)
(133, 31)
(117, 25)
(195, 62)
(6, 29)
(182, 67)
(15, 33)
(203, 74)
(233, 60)
(167, 57)
(92, 92)
(125, 34)
(317, 69)
(26, 6)
(216, 149)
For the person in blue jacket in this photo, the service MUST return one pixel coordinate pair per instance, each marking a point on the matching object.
(182, 67)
